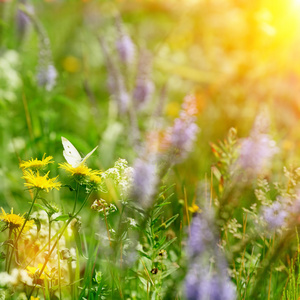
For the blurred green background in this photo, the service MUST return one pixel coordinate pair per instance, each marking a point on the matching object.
(237, 56)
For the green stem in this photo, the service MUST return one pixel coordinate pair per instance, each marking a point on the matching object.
(76, 197)
(20, 232)
(49, 233)
(59, 237)
(28, 215)
(8, 252)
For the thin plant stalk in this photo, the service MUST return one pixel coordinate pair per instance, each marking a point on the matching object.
(59, 237)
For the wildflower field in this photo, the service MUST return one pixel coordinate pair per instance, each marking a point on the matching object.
(150, 149)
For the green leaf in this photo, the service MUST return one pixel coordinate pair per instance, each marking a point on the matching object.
(167, 244)
(62, 218)
(38, 224)
(78, 241)
(166, 224)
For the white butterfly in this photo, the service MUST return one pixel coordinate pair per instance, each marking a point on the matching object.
(71, 154)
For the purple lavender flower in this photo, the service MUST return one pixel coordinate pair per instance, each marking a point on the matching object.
(258, 149)
(256, 153)
(126, 48)
(119, 92)
(183, 136)
(201, 236)
(46, 77)
(144, 87)
(22, 20)
(201, 284)
(144, 181)
(143, 91)
(275, 215)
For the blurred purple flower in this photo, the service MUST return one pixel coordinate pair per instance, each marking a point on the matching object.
(256, 153)
(144, 87)
(144, 181)
(258, 149)
(202, 281)
(46, 77)
(201, 284)
(275, 215)
(118, 91)
(126, 48)
(181, 136)
(143, 91)
(22, 20)
(201, 236)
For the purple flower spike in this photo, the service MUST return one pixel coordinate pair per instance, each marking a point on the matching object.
(144, 182)
(46, 77)
(126, 49)
(258, 149)
(143, 91)
(275, 215)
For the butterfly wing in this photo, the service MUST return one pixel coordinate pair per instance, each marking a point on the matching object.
(70, 153)
(88, 155)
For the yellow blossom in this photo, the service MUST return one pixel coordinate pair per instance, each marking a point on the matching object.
(81, 170)
(194, 208)
(35, 163)
(33, 271)
(41, 182)
(34, 298)
(15, 221)
(95, 178)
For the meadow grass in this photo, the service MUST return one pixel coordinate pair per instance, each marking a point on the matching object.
(188, 115)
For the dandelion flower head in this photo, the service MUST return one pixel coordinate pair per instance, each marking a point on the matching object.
(35, 163)
(14, 221)
(35, 180)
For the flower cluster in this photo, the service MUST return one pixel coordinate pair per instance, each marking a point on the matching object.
(144, 181)
(35, 180)
(14, 221)
(36, 164)
(202, 281)
(179, 138)
(121, 175)
(84, 175)
(257, 150)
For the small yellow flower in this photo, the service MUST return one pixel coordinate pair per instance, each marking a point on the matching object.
(41, 182)
(34, 272)
(83, 174)
(14, 221)
(34, 298)
(194, 208)
(81, 170)
(35, 163)
(95, 180)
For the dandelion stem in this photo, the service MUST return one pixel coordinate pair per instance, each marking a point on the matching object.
(8, 253)
(20, 232)
(59, 237)
(76, 197)
(28, 215)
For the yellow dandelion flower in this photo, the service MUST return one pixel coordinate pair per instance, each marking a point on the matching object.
(81, 170)
(33, 271)
(40, 182)
(35, 163)
(95, 180)
(34, 298)
(15, 221)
